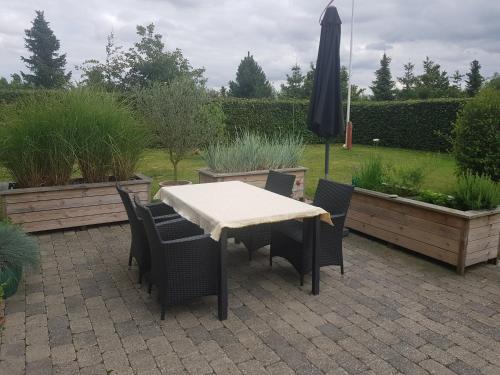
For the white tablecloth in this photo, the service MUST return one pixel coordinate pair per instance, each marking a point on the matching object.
(234, 204)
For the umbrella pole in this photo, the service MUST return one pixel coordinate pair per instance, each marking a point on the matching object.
(327, 159)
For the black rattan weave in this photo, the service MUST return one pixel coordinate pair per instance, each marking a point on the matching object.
(288, 241)
(184, 262)
(257, 236)
(139, 247)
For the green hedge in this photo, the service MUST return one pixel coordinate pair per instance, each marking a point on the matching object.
(420, 125)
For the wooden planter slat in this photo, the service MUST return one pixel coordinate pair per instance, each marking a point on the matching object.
(459, 238)
(256, 178)
(58, 207)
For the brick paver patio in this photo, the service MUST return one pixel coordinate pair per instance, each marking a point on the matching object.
(392, 312)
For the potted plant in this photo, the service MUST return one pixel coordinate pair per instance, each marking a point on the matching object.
(17, 251)
(65, 151)
(249, 157)
(182, 119)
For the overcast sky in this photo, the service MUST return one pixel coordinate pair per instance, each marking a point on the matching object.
(216, 34)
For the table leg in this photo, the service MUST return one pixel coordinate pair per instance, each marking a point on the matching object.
(315, 254)
(222, 295)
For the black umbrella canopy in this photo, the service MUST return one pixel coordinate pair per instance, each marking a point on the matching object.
(326, 117)
(325, 108)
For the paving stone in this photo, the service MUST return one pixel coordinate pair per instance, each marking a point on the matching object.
(82, 312)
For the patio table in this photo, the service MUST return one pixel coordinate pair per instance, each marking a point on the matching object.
(221, 206)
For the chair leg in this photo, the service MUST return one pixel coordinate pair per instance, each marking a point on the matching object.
(342, 268)
(163, 309)
(270, 261)
(301, 280)
(130, 260)
(249, 255)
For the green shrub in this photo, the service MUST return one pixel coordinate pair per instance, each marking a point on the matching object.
(405, 180)
(371, 174)
(251, 152)
(35, 142)
(17, 249)
(375, 174)
(477, 135)
(439, 199)
(473, 192)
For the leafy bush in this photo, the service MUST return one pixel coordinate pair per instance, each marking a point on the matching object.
(45, 135)
(375, 174)
(477, 135)
(181, 117)
(35, 143)
(439, 199)
(474, 192)
(251, 152)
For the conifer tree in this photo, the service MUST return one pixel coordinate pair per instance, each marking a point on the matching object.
(383, 86)
(45, 63)
(251, 81)
(474, 80)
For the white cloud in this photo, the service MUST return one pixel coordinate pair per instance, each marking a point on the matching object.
(217, 34)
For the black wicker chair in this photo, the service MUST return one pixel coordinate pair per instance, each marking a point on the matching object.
(287, 238)
(139, 247)
(257, 236)
(184, 261)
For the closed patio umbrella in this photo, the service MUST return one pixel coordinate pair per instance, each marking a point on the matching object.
(326, 117)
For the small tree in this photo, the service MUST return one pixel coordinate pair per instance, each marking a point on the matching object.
(294, 87)
(46, 65)
(251, 81)
(408, 81)
(181, 117)
(383, 86)
(474, 80)
(433, 83)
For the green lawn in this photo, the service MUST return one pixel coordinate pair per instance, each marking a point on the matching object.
(439, 167)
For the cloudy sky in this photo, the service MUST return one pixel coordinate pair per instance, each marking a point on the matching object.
(216, 34)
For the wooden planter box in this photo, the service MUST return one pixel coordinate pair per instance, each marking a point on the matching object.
(256, 178)
(459, 238)
(75, 205)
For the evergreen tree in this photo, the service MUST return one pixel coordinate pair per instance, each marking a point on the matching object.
(356, 92)
(383, 86)
(309, 81)
(433, 83)
(474, 80)
(455, 90)
(45, 63)
(251, 81)
(294, 87)
(408, 81)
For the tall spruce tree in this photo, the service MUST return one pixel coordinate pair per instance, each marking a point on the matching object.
(433, 83)
(45, 63)
(294, 87)
(383, 86)
(474, 80)
(251, 81)
(409, 81)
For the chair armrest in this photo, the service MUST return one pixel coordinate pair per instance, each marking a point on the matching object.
(177, 228)
(185, 240)
(159, 209)
(338, 216)
(159, 219)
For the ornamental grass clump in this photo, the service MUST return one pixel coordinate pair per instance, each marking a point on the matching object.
(106, 139)
(49, 138)
(35, 142)
(252, 152)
